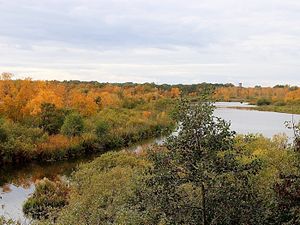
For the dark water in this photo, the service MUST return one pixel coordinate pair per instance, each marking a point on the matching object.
(16, 184)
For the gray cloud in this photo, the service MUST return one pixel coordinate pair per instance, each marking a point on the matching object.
(255, 42)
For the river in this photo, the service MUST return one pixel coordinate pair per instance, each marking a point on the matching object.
(16, 184)
(245, 121)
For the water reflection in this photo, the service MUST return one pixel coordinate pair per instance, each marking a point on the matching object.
(11, 202)
(17, 183)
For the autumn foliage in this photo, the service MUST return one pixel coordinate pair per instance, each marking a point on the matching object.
(276, 95)
(23, 98)
(51, 120)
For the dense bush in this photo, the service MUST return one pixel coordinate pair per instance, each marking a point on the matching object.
(263, 101)
(58, 147)
(73, 125)
(108, 129)
(102, 129)
(47, 199)
(49, 121)
(101, 189)
(51, 118)
(20, 142)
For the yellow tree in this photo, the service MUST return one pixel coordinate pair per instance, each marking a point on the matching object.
(8, 92)
(175, 92)
(33, 107)
(84, 103)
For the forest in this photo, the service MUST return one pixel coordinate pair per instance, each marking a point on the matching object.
(205, 174)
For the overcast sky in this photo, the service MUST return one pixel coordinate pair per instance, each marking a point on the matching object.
(161, 41)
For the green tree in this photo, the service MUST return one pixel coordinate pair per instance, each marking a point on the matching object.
(51, 118)
(73, 125)
(287, 204)
(197, 178)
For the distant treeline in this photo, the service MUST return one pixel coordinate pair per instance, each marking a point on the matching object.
(184, 88)
(280, 98)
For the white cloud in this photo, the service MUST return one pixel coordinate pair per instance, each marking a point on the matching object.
(170, 41)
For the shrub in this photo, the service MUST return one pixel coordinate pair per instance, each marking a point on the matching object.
(102, 128)
(73, 125)
(263, 101)
(20, 142)
(47, 199)
(280, 103)
(57, 147)
(51, 118)
(101, 189)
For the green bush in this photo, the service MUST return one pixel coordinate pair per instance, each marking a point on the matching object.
(102, 129)
(47, 199)
(263, 101)
(51, 118)
(20, 142)
(101, 189)
(73, 125)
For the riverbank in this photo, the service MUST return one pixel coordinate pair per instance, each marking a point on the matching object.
(20, 180)
(290, 109)
(271, 108)
(109, 129)
(81, 147)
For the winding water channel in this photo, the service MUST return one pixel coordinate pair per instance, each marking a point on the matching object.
(16, 184)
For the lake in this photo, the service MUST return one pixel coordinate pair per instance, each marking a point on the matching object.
(16, 184)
